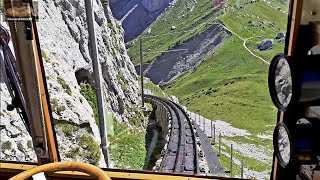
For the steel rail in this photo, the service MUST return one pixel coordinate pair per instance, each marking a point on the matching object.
(181, 155)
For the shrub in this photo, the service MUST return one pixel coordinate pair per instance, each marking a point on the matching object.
(20, 147)
(64, 85)
(92, 153)
(56, 107)
(68, 129)
(73, 153)
(44, 56)
(137, 118)
(105, 3)
(89, 94)
(122, 82)
(29, 144)
(6, 145)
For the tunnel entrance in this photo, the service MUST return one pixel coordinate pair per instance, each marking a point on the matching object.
(84, 76)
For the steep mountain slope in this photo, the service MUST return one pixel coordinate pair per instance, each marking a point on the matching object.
(231, 85)
(186, 55)
(176, 25)
(137, 15)
(64, 43)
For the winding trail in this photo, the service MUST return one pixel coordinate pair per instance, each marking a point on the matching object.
(245, 46)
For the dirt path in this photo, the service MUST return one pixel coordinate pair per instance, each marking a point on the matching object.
(245, 46)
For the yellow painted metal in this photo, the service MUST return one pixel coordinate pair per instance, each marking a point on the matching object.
(30, 70)
(53, 154)
(295, 23)
(57, 166)
(123, 174)
(310, 11)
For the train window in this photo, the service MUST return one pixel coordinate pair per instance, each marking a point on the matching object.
(16, 143)
(214, 57)
(174, 86)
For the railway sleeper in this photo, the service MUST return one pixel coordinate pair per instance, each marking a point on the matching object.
(189, 164)
(190, 148)
(176, 131)
(189, 140)
(169, 163)
(188, 133)
(173, 147)
(176, 125)
(174, 139)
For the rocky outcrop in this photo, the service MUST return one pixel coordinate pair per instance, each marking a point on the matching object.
(265, 44)
(280, 35)
(171, 64)
(15, 142)
(64, 43)
(137, 15)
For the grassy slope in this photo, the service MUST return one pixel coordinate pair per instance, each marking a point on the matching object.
(258, 13)
(127, 147)
(232, 84)
(198, 19)
(195, 21)
(237, 83)
(156, 90)
(127, 144)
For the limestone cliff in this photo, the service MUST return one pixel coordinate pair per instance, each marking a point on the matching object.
(137, 15)
(64, 43)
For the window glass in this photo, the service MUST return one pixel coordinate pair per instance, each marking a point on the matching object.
(205, 63)
(15, 142)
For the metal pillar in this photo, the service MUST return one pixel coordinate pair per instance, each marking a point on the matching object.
(141, 73)
(97, 79)
(241, 170)
(204, 124)
(231, 160)
(219, 144)
(214, 133)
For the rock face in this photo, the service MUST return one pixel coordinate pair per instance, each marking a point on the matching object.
(137, 15)
(265, 44)
(15, 142)
(64, 43)
(171, 64)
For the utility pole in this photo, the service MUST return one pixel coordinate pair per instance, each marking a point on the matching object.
(204, 124)
(141, 73)
(214, 133)
(241, 169)
(219, 144)
(231, 159)
(97, 80)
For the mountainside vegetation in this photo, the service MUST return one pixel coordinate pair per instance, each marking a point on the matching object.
(232, 80)
(182, 21)
(231, 85)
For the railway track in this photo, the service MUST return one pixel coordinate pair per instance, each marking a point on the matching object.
(181, 154)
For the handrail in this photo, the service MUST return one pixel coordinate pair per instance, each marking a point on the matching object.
(59, 166)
